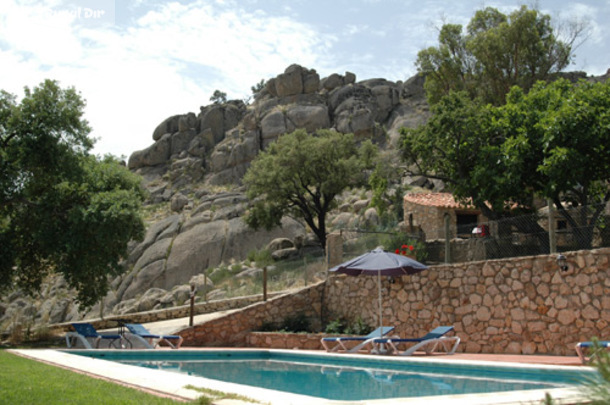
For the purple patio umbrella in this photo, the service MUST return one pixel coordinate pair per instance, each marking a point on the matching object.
(380, 263)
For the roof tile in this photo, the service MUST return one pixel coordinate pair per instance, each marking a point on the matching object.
(440, 200)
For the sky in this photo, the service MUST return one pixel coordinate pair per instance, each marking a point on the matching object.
(138, 62)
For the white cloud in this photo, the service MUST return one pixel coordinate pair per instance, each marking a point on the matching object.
(134, 78)
(166, 58)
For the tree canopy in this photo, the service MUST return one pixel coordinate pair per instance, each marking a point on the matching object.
(62, 210)
(496, 52)
(300, 175)
(219, 97)
(550, 143)
(258, 87)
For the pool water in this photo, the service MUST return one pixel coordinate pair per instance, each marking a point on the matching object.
(349, 378)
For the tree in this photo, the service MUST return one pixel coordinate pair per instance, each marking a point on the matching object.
(62, 210)
(386, 190)
(258, 87)
(549, 143)
(459, 146)
(300, 175)
(559, 133)
(496, 52)
(218, 97)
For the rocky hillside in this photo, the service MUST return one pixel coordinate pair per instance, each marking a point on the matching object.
(193, 171)
(216, 146)
(195, 156)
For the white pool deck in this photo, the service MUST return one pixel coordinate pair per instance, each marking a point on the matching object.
(174, 384)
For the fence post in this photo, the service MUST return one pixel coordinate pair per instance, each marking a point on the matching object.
(265, 283)
(447, 239)
(334, 250)
(192, 307)
(552, 234)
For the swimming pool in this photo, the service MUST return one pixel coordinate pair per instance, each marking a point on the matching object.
(354, 378)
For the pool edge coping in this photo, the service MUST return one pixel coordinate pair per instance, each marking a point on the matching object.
(166, 383)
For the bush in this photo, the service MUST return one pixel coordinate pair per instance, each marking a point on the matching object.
(296, 323)
(260, 257)
(400, 243)
(292, 324)
(361, 328)
(220, 274)
(600, 391)
(335, 327)
(341, 326)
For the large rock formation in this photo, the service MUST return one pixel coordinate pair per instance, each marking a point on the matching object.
(193, 156)
(217, 145)
(181, 246)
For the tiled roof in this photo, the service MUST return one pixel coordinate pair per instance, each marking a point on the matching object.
(440, 200)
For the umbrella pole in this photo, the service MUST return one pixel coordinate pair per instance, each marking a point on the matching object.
(381, 348)
(380, 310)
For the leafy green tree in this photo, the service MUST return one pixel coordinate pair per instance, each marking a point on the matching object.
(300, 175)
(458, 145)
(218, 97)
(387, 192)
(62, 210)
(556, 137)
(496, 52)
(550, 143)
(258, 87)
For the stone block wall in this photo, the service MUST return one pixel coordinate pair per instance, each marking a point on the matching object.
(431, 219)
(233, 329)
(524, 305)
(521, 305)
(182, 311)
(269, 340)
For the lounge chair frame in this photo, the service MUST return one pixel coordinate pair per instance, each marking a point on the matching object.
(428, 343)
(340, 341)
(151, 340)
(86, 334)
(587, 351)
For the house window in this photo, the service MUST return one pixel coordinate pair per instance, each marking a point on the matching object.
(465, 223)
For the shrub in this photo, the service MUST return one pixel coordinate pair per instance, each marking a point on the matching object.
(600, 391)
(260, 257)
(335, 327)
(341, 326)
(361, 328)
(296, 323)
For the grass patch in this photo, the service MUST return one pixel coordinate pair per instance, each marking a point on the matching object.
(213, 395)
(25, 381)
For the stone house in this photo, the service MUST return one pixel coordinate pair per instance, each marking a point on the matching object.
(427, 211)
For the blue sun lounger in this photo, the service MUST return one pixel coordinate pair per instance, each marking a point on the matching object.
(428, 343)
(591, 349)
(340, 341)
(141, 334)
(86, 334)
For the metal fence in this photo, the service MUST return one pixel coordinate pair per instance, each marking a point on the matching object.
(543, 232)
(267, 279)
(582, 228)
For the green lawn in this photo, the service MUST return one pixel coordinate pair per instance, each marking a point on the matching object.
(25, 381)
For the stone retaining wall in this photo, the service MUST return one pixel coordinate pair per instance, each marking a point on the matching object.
(167, 313)
(520, 305)
(233, 329)
(270, 340)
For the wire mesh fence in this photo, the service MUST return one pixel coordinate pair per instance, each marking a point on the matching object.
(542, 232)
(282, 275)
(527, 235)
